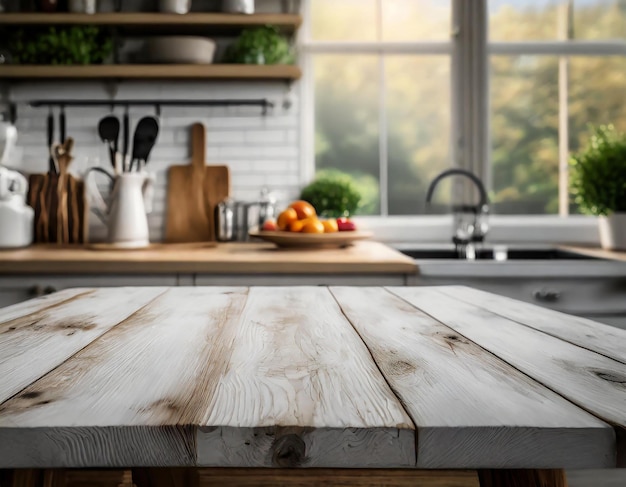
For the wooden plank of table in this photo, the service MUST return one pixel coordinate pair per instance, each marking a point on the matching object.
(338, 477)
(260, 381)
(300, 389)
(471, 409)
(592, 381)
(39, 335)
(132, 397)
(601, 338)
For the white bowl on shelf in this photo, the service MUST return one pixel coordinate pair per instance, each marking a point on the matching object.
(179, 50)
(174, 6)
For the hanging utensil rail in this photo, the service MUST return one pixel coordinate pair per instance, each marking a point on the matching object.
(262, 103)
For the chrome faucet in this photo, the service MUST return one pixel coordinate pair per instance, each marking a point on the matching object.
(466, 233)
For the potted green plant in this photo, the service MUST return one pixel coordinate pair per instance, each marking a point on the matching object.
(333, 195)
(260, 45)
(79, 44)
(598, 182)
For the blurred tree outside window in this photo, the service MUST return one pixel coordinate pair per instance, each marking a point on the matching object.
(383, 96)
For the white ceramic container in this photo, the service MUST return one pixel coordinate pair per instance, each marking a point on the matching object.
(613, 231)
(174, 6)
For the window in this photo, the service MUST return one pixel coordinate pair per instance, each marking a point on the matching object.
(508, 95)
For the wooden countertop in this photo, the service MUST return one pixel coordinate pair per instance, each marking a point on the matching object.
(228, 258)
(401, 377)
(596, 252)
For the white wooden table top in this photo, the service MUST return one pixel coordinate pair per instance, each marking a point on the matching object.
(445, 377)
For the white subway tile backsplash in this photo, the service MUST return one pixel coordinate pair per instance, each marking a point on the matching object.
(260, 149)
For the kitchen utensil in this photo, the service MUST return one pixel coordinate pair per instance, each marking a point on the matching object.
(294, 240)
(59, 201)
(179, 50)
(52, 168)
(127, 208)
(193, 193)
(62, 125)
(125, 134)
(225, 212)
(16, 218)
(238, 6)
(109, 130)
(146, 133)
(174, 6)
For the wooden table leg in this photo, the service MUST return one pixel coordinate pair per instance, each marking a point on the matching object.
(522, 478)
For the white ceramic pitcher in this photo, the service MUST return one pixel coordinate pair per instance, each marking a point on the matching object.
(125, 211)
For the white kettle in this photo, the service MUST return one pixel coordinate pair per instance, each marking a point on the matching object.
(16, 217)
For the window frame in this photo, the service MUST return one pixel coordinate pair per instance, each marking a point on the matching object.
(470, 51)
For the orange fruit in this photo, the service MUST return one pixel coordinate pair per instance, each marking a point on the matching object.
(330, 226)
(304, 209)
(313, 226)
(285, 218)
(297, 225)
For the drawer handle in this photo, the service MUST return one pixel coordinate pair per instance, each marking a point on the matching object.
(37, 291)
(546, 295)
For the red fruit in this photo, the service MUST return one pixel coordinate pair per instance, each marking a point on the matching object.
(345, 225)
(269, 226)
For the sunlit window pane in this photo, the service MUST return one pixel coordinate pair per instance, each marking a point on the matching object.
(344, 20)
(600, 19)
(524, 134)
(524, 20)
(407, 20)
(418, 115)
(346, 120)
(597, 95)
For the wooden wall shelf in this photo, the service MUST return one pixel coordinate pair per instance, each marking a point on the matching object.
(153, 71)
(287, 22)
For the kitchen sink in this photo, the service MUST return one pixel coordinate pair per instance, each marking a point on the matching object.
(495, 253)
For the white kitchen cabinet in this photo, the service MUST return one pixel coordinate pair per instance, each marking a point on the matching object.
(18, 288)
(600, 299)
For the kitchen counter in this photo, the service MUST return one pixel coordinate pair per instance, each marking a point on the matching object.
(399, 378)
(597, 252)
(366, 257)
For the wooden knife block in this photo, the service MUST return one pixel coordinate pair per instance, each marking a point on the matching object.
(60, 208)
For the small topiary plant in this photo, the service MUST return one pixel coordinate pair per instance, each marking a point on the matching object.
(333, 194)
(598, 176)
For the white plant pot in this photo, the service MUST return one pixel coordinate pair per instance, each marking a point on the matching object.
(613, 231)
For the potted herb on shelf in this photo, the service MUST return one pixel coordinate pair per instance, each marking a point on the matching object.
(60, 45)
(599, 183)
(260, 45)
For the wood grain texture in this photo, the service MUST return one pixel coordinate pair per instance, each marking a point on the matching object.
(193, 192)
(596, 252)
(88, 478)
(522, 478)
(226, 258)
(131, 397)
(153, 71)
(148, 19)
(471, 409)
(590, 380)
(604, 339)
(300, 389)
(335, 477)
(49, 331)
(60, 208)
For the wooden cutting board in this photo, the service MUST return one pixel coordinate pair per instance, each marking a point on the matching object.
(193, 192)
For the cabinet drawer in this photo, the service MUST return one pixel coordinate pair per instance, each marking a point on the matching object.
(593, 296)
(15, 289)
